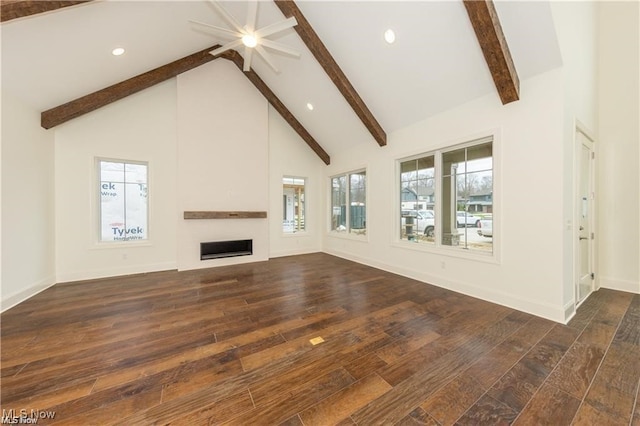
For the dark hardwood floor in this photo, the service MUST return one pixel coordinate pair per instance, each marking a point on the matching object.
(231, 345)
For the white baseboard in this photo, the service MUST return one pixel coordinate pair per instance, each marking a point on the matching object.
(14, 299)
(541, 309)
(224, 261)
(114, 272)
(621, 285)
(569, 311)
(283, 253)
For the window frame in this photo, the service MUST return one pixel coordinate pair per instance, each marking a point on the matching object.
(348, 234)
(99, 242)
(437, 151)
(436, 213)
(306, 206)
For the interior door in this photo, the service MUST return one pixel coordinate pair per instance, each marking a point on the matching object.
(586, 235)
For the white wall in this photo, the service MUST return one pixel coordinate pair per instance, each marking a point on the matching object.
(619, 146)
(28, 237)
(576, 29)
(222, 161)
(289, 155)
(211, 139)
(206, 133)
(141, 127)
(528, 273)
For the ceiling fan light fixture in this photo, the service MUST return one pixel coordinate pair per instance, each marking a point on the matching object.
(389, 36)
(253, 39)
(249, 40)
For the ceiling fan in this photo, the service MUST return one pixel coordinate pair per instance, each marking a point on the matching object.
(249, 36)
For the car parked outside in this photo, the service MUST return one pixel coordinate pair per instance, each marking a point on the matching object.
(485, 228)
(465, 219)
(423, 221)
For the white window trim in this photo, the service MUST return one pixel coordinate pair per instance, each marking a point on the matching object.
(349, 235)
(97, 211)
(437, 248)
(306, 206)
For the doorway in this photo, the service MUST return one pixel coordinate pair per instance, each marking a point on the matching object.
(585, 235)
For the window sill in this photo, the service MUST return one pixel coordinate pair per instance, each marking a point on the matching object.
(458, 253)
(348, 236)
(120, 244)
(295, 234)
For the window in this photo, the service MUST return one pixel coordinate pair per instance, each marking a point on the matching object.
(462, 216)
(123, 200)
(293, 207)
(417, 199)
(349, 190)
(467, 194)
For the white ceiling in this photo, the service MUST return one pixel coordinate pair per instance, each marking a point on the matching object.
(435, 63)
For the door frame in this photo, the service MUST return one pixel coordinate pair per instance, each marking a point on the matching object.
(577, 208)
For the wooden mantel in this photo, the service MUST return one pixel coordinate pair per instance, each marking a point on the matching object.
(225, 215)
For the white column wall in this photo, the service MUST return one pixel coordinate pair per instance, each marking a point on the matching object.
(28, 228)
(576, 29)
(223, 151)
(618, 143)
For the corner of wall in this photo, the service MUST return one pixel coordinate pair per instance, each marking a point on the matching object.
(618, 147)
(576, 30)
(10, 301)
(27, 203)
(289, 155)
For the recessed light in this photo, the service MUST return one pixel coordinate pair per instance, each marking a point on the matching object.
(309, 106)
(117, 51)
(389, 36)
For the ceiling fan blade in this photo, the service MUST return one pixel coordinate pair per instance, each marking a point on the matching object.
(252, 15)
(267, 57)
(226, 47)
(223, 32)
(279, 47)
(226, 15)
(248, 52)
(277, 27)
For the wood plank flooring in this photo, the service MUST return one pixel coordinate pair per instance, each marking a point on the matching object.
(231, 345)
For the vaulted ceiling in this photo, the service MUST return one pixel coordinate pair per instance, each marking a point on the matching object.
(436, 63)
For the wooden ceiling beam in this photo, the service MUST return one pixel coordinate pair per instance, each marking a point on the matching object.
(63, 113)
(262, 87)
(324, 58)
(91, 102)
(13, 9)
(485, 22)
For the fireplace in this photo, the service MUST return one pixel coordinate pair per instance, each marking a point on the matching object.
(221, 249)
